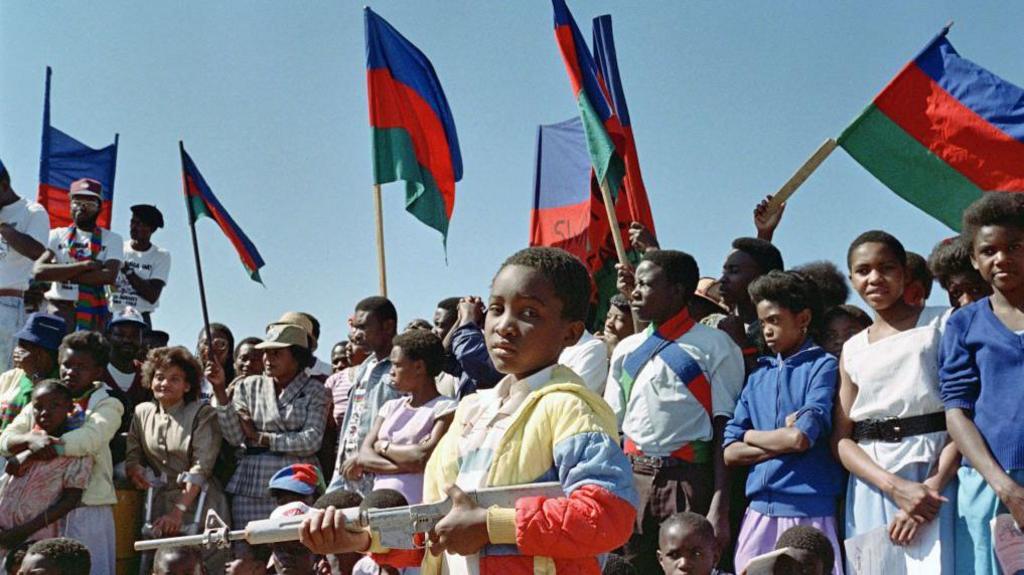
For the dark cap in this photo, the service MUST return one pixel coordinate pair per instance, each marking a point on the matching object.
(44, 330)
(86, 187)
(149, 215)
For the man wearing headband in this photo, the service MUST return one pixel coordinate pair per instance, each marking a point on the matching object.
(24, 226)
(81, 261)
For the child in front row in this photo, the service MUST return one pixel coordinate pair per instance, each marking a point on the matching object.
(783, 422)
(981, 374)
(538, 424)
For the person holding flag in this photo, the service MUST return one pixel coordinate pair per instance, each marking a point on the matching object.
(81, 261)
(23, 229)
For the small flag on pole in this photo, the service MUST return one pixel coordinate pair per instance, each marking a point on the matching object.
(201, 202)
(414, 135)
(942, 132)
(63, 160)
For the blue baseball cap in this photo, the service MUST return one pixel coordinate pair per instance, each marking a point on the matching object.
(301, 478)
(43, 329)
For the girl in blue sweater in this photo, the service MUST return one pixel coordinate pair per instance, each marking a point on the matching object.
(982, 377)
(783, 422)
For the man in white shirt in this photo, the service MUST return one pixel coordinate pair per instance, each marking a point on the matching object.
(23, 229)
(146, 266)
(589, 359)
(81, 260)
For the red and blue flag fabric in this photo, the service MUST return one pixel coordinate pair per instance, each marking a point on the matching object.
(414, 135)
(944, 131)
(200, 201)
(562, 194)
(64, 160)
(632, 204)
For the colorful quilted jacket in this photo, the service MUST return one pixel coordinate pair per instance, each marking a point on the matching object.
(562, 432)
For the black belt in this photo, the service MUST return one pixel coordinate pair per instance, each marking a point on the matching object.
(256, 450)
(651, 464)
(894, 429)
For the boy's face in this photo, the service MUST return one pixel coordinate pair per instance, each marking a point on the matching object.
(339, 357)
(837, 331)
(50, 409)
(877, 275)
(618, 322)
(965, 288)
(406, 373)
(682, 550)
(34, 564)
(783, 330)
(654, 298)
(738, 271)
(78, 370)
(524, 328)
(998, 255)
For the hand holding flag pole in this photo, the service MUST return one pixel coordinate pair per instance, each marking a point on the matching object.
(801, 175)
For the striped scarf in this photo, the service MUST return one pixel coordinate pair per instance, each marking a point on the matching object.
(91, 305)
(80, 406)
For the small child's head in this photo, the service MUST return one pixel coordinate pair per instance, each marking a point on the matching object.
(59, 556)
(810, 551)
(297, 482)
(665, 282)
(416, 359)
(994, 225)
(749, 259)
(383, 499)
(840, 324)
(84, 356)
(831, 282)
(619, 321)
(538, 303)
(789, 308)
(878, 269)
(342, 499)
(919, 284)
(51, 405)
(179, 561)
(687, 545)
(950, 263)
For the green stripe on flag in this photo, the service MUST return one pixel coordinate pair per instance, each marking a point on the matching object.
(599, 143)
(394, 159)
(908, 168)
(199, 208)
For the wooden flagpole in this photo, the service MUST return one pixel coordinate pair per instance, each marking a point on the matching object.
(613, 221)
(801, 175)
(195, 251)
(382, 268)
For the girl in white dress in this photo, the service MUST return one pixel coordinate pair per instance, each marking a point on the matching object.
(890, 428)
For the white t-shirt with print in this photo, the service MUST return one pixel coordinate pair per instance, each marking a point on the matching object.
(113, 249)
(28, 218)
(152, 264)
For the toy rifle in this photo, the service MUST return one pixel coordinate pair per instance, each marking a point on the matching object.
(395, 526)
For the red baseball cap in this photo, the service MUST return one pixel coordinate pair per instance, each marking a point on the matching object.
(86, 187)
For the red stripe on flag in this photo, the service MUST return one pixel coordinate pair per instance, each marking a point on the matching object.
(563, 227)
(225, 226)
(395, 105)
(563, 35)
(984, 154)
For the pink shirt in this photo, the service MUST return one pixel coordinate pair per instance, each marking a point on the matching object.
(339, 385)
(407, 425)
(40, 485)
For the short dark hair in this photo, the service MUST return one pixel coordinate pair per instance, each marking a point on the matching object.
(878, 237)
(679, 267)
(339, 499)
(383, 499)
(419, 323)
(422, 345)
(449, 304)
(811, 540)
(54, 385)
(854, 313)
(950, 257)
(165, 555)
(379, 307)
(16, 556)
(830, 281)
(177, 356)
(567, 274)
(918, 270)
(618, 565)
(791, 290)
(698, 522)
(767, 256)
(91, 342)
(619, 301)
(69, 556)
(251, 340)
(1004, 209)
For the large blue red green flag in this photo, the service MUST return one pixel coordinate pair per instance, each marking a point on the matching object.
(600, 123)
(414, 135)
(200, 201)
(63, 160)
(632, 204)
(562, 193)
(942, 132)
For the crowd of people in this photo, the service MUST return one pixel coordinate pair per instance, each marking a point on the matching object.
(709, 425)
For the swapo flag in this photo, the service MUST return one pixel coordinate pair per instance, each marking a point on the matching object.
(414, 135)
(562, 195)
(200, 201)
(632, 204)
(942, 132)
(63, 160)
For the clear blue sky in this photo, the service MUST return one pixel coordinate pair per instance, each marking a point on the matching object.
(727, 99)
